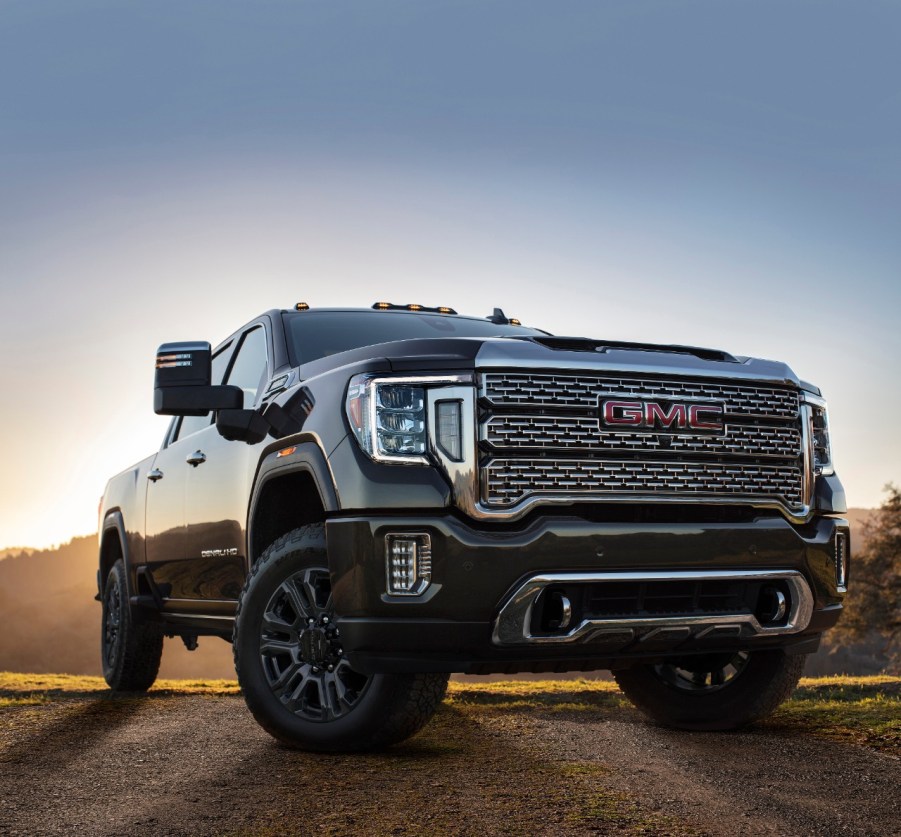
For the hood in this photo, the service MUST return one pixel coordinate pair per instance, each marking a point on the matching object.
(554, 353)
(581, 354)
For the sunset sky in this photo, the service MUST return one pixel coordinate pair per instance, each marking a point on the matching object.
(723, 174)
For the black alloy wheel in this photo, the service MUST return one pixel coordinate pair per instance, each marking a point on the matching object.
(301, 653)
(705, 673)
(112, 622)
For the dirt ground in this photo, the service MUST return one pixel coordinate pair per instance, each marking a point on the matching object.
(172, 763)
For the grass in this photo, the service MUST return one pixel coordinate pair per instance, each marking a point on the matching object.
(39, 688)
(859, 710)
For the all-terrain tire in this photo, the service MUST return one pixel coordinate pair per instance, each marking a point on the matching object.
(130, 650)
(766, 679)
(284, 616)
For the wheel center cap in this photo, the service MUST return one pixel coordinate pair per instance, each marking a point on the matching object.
(314, 646)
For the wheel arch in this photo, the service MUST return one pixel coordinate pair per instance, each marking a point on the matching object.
(290, 492)
(113, 545)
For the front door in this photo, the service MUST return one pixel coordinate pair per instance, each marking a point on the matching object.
(165, 544)
(217, 489)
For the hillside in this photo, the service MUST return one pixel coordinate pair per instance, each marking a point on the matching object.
(51, 622)
(14, 550)
(857, 518)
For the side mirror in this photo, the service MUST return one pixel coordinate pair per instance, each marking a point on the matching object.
(182, 382)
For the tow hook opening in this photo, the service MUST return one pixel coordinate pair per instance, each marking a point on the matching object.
(772, 605)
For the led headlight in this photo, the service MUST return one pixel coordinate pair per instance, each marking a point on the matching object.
(821, 448)
(388, 419)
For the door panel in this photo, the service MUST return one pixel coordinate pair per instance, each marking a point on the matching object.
(216, 499)
(165, 505)
(217, 490)
(165, 510)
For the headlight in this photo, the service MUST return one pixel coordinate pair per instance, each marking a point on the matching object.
(821, 448)
(388, 416)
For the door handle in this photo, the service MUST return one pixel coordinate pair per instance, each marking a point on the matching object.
(155, 474)
(196, 458)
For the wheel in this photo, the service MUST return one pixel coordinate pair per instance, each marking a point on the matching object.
(295, 678)
(131, 651)
(712, 691)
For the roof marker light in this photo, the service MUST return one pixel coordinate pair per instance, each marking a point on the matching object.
(301, 306)
(412, 306)
(285, 452)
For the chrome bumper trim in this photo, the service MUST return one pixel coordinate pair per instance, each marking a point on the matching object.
(511, 627)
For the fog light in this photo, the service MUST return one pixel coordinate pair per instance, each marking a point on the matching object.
(408, 564)
(841, 561)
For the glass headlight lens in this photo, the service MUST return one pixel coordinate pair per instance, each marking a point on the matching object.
(388, 420)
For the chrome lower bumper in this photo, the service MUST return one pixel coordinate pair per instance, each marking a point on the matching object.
(512, 626)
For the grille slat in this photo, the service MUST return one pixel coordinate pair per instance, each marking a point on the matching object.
(548, 432)
(511, 389)
(508, 481)
(538, 445)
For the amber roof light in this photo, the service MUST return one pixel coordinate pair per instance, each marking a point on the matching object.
(412, 306)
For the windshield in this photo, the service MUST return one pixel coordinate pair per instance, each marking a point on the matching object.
(316, 334)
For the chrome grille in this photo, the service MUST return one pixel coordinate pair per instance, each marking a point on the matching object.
(508, 389)
(540, 437)
(546, 432)
(508, 481)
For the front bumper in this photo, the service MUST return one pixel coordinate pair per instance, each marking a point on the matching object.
(476, 571)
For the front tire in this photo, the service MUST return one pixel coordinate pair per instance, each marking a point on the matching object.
(131, 651)
(712, 691)
(296, 681)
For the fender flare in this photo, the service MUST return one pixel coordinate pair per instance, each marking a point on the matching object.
(309, 458)
(114, 520)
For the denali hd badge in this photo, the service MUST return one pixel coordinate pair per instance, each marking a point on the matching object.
(703, 417)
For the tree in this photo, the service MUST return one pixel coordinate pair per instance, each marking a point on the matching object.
(873, 603)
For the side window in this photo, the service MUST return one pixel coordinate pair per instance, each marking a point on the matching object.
(251, 366)
(192, 424)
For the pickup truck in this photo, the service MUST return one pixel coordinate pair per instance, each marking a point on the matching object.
(364, 501)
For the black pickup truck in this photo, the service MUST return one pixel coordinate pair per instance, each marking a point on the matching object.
(365, 500)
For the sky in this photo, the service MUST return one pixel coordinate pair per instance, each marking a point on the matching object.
(715, 173)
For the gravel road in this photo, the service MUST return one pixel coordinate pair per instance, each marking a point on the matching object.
(197, 764)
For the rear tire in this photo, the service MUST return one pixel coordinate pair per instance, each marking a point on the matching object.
(130, 650)
(712, 691)
(296, 681)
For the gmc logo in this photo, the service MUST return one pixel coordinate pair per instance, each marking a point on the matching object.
(670, 415)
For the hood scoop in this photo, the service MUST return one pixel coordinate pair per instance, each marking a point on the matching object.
(584, 344)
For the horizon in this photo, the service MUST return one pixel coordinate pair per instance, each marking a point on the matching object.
(631, 173)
